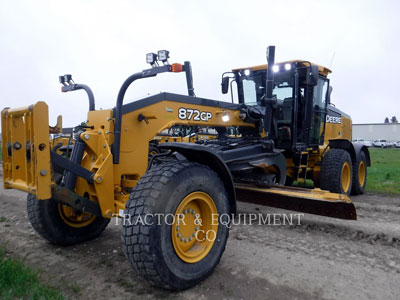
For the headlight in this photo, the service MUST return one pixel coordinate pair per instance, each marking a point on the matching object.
(225, 118)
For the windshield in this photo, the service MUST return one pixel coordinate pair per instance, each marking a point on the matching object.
(254, 87)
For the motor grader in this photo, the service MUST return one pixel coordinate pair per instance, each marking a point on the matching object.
(286, 131)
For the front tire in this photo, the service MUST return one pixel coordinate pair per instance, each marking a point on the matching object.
(336, 172)
(169, 254)
(62, 225)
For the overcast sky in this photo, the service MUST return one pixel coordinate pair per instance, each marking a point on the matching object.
(102, 42)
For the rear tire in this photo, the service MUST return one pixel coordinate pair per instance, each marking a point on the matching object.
(49, 220)
(336, 172)
(157, 251)
(359, 175)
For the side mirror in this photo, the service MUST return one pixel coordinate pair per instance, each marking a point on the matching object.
(312, 76)
(328, 95)
(225, 85)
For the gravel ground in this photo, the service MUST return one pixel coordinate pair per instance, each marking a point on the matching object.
(322, 258)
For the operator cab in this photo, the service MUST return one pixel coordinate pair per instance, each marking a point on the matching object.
(299, 104)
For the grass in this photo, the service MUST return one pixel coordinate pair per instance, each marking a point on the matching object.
(18, 281)
(384, 173)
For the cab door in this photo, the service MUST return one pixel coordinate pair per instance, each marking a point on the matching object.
(318, 112)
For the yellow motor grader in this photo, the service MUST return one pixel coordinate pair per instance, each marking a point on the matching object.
(286, 131)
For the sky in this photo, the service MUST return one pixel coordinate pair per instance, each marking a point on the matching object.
(101, 43)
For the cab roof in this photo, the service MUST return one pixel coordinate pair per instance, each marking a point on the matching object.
(321, 69)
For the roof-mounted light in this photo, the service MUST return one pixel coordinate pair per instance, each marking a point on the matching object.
(288, 67)
(275, 68)
(247, 72)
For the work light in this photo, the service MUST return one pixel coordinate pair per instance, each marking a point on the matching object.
(151, 58)
(275, 68)
(288, 67)
(163, 55)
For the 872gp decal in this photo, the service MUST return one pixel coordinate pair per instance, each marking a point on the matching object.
(194, 114)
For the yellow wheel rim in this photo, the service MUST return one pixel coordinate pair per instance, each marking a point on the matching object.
(346, 177)
(361, 173)
(195, 227)
(74, 219)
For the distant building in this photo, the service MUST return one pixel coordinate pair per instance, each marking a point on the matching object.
(377, 131)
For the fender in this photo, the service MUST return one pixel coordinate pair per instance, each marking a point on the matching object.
(354, 149)
(205, 156)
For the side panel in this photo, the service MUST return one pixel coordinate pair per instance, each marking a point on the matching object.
(335, 130)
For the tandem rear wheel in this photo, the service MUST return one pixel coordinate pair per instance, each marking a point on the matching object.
(180, 252)
(359, 175)
(337, 172)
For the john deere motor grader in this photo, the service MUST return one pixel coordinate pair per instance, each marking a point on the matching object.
(286, 130)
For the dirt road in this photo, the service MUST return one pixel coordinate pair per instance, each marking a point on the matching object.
(322, 258)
